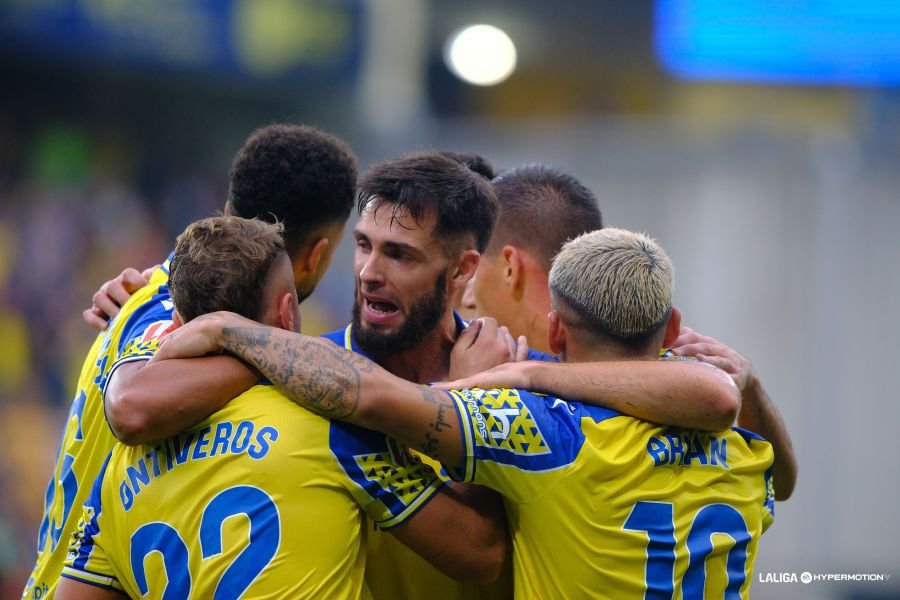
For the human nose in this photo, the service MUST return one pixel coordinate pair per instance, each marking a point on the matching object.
(369, 267)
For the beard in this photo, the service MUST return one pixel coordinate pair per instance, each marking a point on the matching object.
(424, 315)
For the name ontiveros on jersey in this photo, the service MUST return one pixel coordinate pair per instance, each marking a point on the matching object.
(215, 440)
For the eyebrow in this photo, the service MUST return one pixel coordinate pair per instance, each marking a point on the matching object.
(394, 246)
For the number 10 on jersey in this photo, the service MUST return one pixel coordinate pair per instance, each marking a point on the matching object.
(656, 519)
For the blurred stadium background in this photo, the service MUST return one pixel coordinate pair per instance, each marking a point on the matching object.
(758, 141)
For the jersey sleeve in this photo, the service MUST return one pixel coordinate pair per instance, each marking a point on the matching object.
(764, 455)
(141, 333)
(387, 481)
(87, 561)
(509, 434)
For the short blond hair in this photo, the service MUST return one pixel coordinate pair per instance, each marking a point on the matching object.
(619, 282)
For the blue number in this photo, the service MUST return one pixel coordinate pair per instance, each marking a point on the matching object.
(657, 519)
(265, 536)
(162, 538)
(716, 518)
(67, 479)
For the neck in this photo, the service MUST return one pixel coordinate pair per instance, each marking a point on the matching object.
(530, 310)
(429, 360)
(602, 351)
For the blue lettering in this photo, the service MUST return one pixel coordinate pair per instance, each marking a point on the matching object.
(138, 475)
(658, 451)
(696, 451)
(126, 495)
(169, 465)
(677, 449)
(153, 457)
(201, 442)
(718, 452)
(223, 434)
(181, 451)
(263, 449)
(244, 428)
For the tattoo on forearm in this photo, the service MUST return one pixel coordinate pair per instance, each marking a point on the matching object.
(431, 444)
(313, 372)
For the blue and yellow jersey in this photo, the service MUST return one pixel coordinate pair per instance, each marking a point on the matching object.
(602, 505)
(87, 439)
(262, 499)
(393, 571)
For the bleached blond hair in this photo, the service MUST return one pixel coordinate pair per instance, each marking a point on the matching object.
(619, 282)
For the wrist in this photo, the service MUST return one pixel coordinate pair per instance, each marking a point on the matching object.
(532, 374)
(223, 333)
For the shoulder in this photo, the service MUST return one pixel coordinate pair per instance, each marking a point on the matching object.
(341, 337)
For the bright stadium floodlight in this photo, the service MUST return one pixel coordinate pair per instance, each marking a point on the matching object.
(480, 54)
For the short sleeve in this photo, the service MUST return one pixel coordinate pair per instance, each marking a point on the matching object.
(141, 333)
(387, 481)
(508, 435)
(87, 561)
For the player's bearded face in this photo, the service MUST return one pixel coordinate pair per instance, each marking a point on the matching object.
(423, 314)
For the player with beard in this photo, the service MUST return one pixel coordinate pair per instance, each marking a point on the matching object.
(423, 221)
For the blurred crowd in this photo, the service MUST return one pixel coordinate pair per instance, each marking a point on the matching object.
(74, 211)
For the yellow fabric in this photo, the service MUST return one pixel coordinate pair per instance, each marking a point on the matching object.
(263, 497)
(585, 489)
(394, 572)
(87, 439)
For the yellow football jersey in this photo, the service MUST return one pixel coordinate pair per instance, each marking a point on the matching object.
(393, 571)
(87, 439)
(602, 505)
(263, 499)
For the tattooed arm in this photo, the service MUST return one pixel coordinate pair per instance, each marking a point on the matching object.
(152, 400)
(462, 531)
(325, 378)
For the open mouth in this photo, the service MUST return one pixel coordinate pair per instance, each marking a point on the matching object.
(379, 311)
(380, 307)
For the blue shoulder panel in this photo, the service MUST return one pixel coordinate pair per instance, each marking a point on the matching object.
(522, 429)
(364, 455)
(92, 507)
(158, 308)
(336, 336)
(749, 435)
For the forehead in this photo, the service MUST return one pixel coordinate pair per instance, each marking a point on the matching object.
(385, 222)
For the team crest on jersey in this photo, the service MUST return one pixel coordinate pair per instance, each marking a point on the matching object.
(157, 330)
(407, 483)
(504, 421)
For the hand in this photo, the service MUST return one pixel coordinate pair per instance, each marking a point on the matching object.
(483, 345)
(714, 352)
(508, 375)
(200, 337)
(107, 301)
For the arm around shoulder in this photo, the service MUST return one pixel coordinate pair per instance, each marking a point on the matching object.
(681, 393)
(760, 415)
(151, 400)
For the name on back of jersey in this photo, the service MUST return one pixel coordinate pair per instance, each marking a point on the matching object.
(221, 439)
(686, 449)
